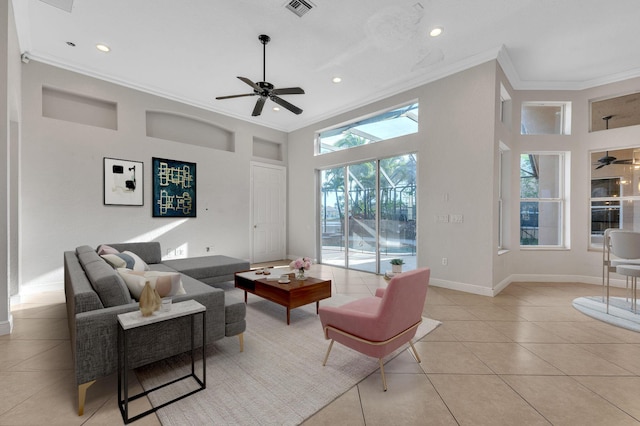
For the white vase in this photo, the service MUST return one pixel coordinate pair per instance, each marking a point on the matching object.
(396, 269)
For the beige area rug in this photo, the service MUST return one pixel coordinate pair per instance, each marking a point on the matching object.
(278, 379)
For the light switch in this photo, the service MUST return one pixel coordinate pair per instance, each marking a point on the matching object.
(457, 218)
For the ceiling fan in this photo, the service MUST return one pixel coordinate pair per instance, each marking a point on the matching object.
(266, 90)
(607, 159)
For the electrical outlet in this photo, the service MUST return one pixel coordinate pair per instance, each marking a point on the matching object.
(442, 218)
(445, 261)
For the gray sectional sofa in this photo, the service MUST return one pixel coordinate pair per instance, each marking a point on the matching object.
(96, 294)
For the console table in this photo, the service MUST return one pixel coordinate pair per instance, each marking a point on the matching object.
(131, 320)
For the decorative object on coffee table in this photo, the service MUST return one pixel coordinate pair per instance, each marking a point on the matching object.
(300, 265)
(396, 265)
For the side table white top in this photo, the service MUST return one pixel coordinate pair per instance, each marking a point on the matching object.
(135, 319)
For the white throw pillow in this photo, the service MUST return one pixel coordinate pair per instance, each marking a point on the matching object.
(167, 283)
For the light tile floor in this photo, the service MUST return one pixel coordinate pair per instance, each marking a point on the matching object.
(524, 357)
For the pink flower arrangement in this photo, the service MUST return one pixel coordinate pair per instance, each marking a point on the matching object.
(301, 264)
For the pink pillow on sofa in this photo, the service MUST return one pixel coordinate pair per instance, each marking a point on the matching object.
(105, 249)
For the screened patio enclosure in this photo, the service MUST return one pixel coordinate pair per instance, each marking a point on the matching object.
(378, 200)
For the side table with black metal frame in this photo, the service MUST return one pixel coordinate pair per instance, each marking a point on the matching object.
(135, 319)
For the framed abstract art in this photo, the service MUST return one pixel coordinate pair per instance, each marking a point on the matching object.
(174, 188)
(123, 182)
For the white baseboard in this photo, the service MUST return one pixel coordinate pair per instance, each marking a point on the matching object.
(516, 278)
(540, 278)
(6, 326)
(467, 288)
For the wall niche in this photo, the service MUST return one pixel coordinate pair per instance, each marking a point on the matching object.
(612, 113)
(266, 149)
(80, 109)
(180, 128)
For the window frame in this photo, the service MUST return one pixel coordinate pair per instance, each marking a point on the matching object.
(621, 197)
(565, 119)
(503, 195)
(561, 199)
(351, 127)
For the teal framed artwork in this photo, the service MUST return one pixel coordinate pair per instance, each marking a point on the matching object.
(174, 188)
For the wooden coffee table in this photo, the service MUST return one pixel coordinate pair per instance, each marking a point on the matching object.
(291, 295)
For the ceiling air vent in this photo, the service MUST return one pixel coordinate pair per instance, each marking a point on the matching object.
(300, 7)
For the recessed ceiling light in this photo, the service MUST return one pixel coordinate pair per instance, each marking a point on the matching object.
(336, 79)
(435, 32)
(103, 47)
(276, 109)
(71, 44)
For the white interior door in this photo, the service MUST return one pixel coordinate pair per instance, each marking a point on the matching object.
(268, 212)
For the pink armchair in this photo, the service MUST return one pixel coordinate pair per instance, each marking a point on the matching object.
(377, 326)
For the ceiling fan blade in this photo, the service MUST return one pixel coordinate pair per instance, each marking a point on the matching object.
(600, 166)
(629, 161)
(294, 109)
(235, 96)
(288, 91)
(257, 110)
(250, 83)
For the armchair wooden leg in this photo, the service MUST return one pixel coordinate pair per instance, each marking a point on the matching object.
(241, 338)
(415, 353)
(326, 357)
(384, 380)
(82, 395)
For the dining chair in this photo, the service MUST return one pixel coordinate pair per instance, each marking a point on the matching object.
(621, 247)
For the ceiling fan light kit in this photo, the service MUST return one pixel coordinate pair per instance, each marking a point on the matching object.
(266, 90)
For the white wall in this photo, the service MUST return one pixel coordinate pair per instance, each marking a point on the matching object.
(455, 146)
(580, 262)
(458, 143)
(62, 177)
(15, 107)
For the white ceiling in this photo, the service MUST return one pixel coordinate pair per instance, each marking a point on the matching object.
(193, 50)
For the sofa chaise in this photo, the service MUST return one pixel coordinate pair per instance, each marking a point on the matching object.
(96, 294)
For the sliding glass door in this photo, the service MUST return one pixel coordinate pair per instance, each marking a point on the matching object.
(332, 214)
(378, 200)
(363, 220)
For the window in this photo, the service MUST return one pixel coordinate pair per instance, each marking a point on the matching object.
(542, 200)
(387, 125)
(503, 191)
(615, 191)
(546, 118)
(368, 214)
(612, 113)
